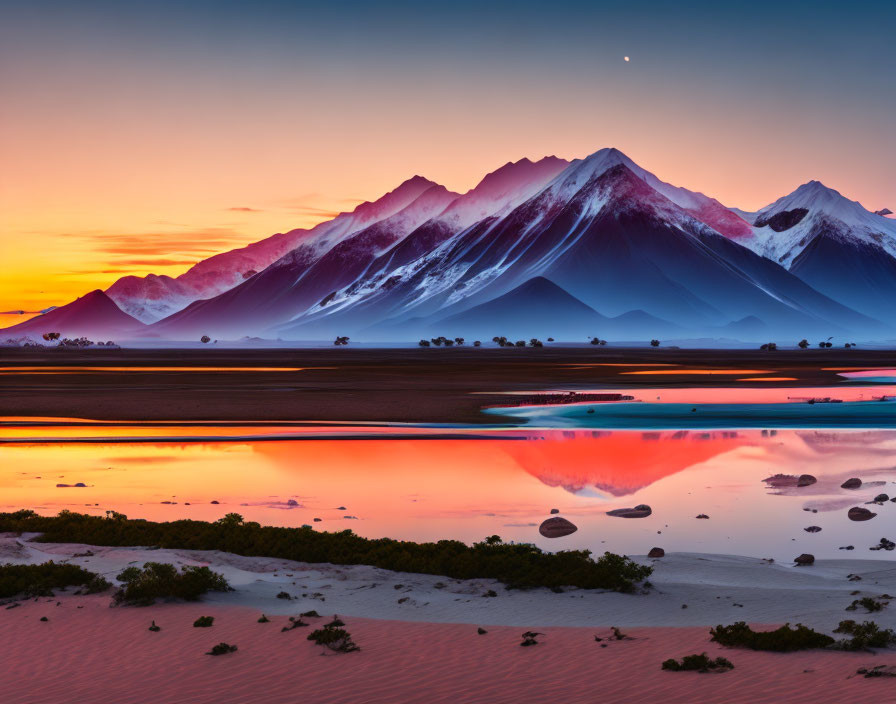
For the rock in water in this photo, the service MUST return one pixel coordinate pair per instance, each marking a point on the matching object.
(805, 480)
(639, 511)
(805, 559)
(656, 552)
(880, 498)
(557, 528)
(857, 513)
(853, 483)
(555, 510)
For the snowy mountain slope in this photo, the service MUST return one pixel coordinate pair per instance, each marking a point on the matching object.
(785, 228)
(604, 235)
(304, 276)
(152, 297)
(834, 245)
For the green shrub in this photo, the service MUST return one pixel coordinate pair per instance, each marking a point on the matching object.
(700, 663)
(870, 605)
(222, 649)
(782, 640)
(336, 639)
(514, 564)
(204, 622)
(157, 580)
(864, 635)
(41, 580)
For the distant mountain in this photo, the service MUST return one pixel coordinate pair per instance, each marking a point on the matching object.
(540, 308)
(93, 315)
(596, 246)
(153, 297)
(604, 235)
(305, 276)
(834, 245)
(311, 274)
(537, 308)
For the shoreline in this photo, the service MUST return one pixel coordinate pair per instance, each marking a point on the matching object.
(396, 385)
(716, 588)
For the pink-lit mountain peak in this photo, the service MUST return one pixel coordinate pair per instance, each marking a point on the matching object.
(502, 190)
(702, 207)
(93, 314)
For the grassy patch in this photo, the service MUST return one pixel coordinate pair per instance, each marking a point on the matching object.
(515, 565)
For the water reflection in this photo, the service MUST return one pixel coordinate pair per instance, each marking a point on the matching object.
(453, 487)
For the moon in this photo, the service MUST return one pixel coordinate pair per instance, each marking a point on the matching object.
(626, 59)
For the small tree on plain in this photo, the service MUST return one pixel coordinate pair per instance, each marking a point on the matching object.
(654, 343)
(205, 339)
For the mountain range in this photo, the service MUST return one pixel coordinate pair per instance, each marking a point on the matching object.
(595, 246)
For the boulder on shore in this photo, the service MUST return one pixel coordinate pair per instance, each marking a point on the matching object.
(557, 528)
(857, 513)
(656, 552)
(805, 480)
(804, 559)
(852, 483)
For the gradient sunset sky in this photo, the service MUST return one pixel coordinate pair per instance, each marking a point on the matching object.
(140, 137)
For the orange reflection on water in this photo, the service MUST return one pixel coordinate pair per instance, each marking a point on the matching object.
(768, 378)
(699, 372)
(467, 489)
(75, 370)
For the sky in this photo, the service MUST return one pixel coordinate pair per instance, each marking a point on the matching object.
(144, 136)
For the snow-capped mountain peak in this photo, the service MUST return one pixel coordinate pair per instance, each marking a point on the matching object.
(783, 229)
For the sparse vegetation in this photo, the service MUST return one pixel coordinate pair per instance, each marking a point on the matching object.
(50, 336)
(864, 635)
(654, 343)
(341, 340)
(293, 624)
(222, 649)
(157, 580)
(769, 347)
(204, 622)
(803, 344)
(598, 341)
(518, 565)
(782, 640)
(333, 637)
(41, 580)
(205, 339)
(825, 345)
(423, 343)
(698, 663)
(868, 603)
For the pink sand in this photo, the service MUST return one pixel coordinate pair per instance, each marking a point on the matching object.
(102, 654)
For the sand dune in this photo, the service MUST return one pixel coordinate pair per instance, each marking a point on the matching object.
(100, 654)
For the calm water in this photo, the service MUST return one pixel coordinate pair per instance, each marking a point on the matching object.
(433, 483)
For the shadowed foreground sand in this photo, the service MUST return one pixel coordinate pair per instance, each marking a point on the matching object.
(102, 654)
